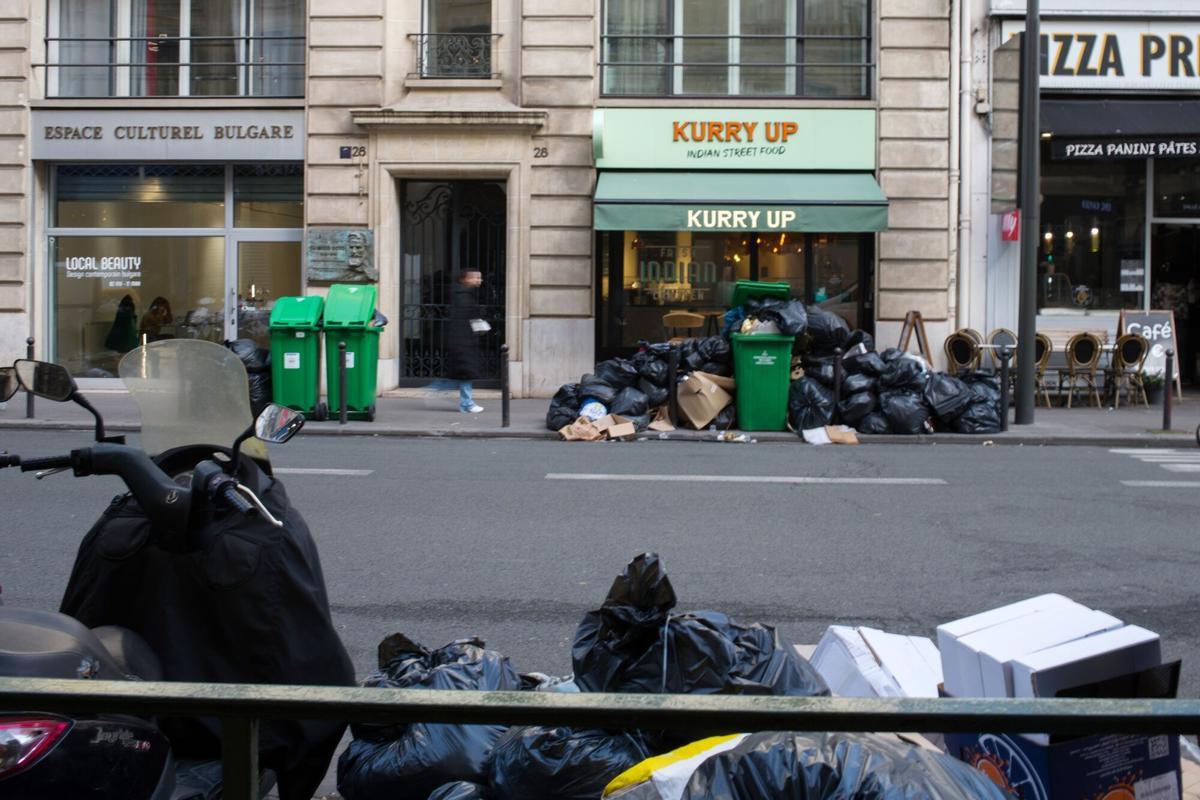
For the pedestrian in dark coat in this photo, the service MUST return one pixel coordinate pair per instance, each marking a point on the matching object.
(464, 361)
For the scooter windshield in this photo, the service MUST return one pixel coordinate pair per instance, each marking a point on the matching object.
(189, 391)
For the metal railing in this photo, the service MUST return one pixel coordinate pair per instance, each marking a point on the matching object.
(454, 55)
(167, 66)
(241, 706)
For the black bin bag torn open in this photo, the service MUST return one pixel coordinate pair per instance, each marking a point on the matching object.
(539, 763)
(619, 647)
(823, 766)
(409, 761)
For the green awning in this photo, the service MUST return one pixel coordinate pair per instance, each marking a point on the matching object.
(819, 202)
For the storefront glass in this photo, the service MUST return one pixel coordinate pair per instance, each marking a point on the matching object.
(1176, 187)
(117, 280)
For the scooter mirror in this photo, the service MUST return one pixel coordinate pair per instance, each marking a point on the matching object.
(8, 383)
(277, 424)
(43, 379)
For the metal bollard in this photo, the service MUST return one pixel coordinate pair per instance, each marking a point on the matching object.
(1168, 379)
(673, 386)
(1005, 357)
(503, 386)
(341, 383)
(29, 395)
(837, 380)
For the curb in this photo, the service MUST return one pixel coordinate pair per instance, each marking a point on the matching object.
(771, 437)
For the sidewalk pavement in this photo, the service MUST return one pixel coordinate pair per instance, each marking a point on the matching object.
(406, 413)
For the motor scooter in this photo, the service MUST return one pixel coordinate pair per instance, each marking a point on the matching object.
(201, 572)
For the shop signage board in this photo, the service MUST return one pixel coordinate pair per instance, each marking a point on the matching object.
(1116, 54)
(734, 139)
(167, 135)
(1138, 148)
(1157, 326)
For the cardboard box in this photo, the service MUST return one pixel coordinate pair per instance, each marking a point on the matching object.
(701, 397)
(1095, 658)
(865, 662)
(960, 666)
(616, 427)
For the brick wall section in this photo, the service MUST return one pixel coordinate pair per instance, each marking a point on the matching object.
(914, 158)
(558, 73)
(14, 156)
(345, 70)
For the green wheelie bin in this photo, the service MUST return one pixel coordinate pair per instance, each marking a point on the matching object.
(296, 354)
(762, 366)
(349, 316)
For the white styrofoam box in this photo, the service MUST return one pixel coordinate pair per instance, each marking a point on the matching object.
(999, 645)
(845, 662)
(960, 667)
(1095, 658)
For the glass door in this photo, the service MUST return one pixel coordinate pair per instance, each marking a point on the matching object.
(264, 272)
(1175, 286)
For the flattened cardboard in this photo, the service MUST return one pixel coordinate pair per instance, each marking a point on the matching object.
(616, 427)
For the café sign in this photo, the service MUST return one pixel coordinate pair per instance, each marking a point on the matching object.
(1133, 148)
(734, 139)
(168, 135)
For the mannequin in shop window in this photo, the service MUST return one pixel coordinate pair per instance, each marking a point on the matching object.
(159, 322)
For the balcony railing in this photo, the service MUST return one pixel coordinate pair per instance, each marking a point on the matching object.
(174, 66)
(455, 55)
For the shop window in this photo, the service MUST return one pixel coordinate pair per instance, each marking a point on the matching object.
(767, 48)
(1176, 187)
(456, 40)
(149, 196)
(162, 48)
(1092, 250)
(268, 196)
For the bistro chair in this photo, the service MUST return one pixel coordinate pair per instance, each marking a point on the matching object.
(1043, 348)
(974, 334)
(1129, 356)
(675, 321)
(1083, 355)
(1003, 337)
(962, 352)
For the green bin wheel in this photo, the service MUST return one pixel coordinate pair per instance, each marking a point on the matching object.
(322, 412)
(371, 413)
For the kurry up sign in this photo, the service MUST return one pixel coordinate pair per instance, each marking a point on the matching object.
(741, 139)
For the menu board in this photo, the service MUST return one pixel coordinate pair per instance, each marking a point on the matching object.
(1156, 326)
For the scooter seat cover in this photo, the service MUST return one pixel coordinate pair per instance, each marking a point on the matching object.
(43, 644)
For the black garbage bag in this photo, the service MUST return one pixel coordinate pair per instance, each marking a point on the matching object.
(834, 766)
(864, 364)
(789, 315)
(904, 374)
(408, 761)
(561, 763)
(461, 790)
(981, 416)
(947, 396)
(906, 412)
(257, 361)
(983, 386)
(856, 406)
(634, 643)
(858, 382)
(564, 407)
(654, 370)
(617, 372)
(718, 368)
(716, 349)
(640, 422)
(857, 337)
(810, 405)
(593, 387)
(820, 369)
(727, 419)
(655, 395)
(891, 354)
(692, 359)
(629, 402)
(827, 329)
(875, 422)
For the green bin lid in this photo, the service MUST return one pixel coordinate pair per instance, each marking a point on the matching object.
(349, 306)
(297, 312)
(744, 290)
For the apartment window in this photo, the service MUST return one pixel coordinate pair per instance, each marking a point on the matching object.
(170, 48)
(755, 48)
(457, 39)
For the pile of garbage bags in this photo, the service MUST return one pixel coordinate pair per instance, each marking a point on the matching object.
(257, 361)
(635, 642)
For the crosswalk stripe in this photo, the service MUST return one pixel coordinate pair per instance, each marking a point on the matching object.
(1181, 467)
(1163, 484)
(1171, 459)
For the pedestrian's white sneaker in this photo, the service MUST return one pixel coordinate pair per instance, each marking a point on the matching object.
(472, 410)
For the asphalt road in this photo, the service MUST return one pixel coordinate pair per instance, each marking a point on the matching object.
(451, 538)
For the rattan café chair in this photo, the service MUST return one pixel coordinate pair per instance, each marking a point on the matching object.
(1128, 358)
(1083, 355)
(962, 352)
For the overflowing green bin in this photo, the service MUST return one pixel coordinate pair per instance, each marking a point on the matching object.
(349, 312)
(296, 354)
(762, 365)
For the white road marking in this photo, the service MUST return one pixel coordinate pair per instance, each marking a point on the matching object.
(320, 471)
(1171, 459)
(1181, 467)
(1164, 484)
(600, 476)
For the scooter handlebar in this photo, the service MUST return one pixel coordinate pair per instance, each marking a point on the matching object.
(234, 498)
(38, 464)
(9, 461)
